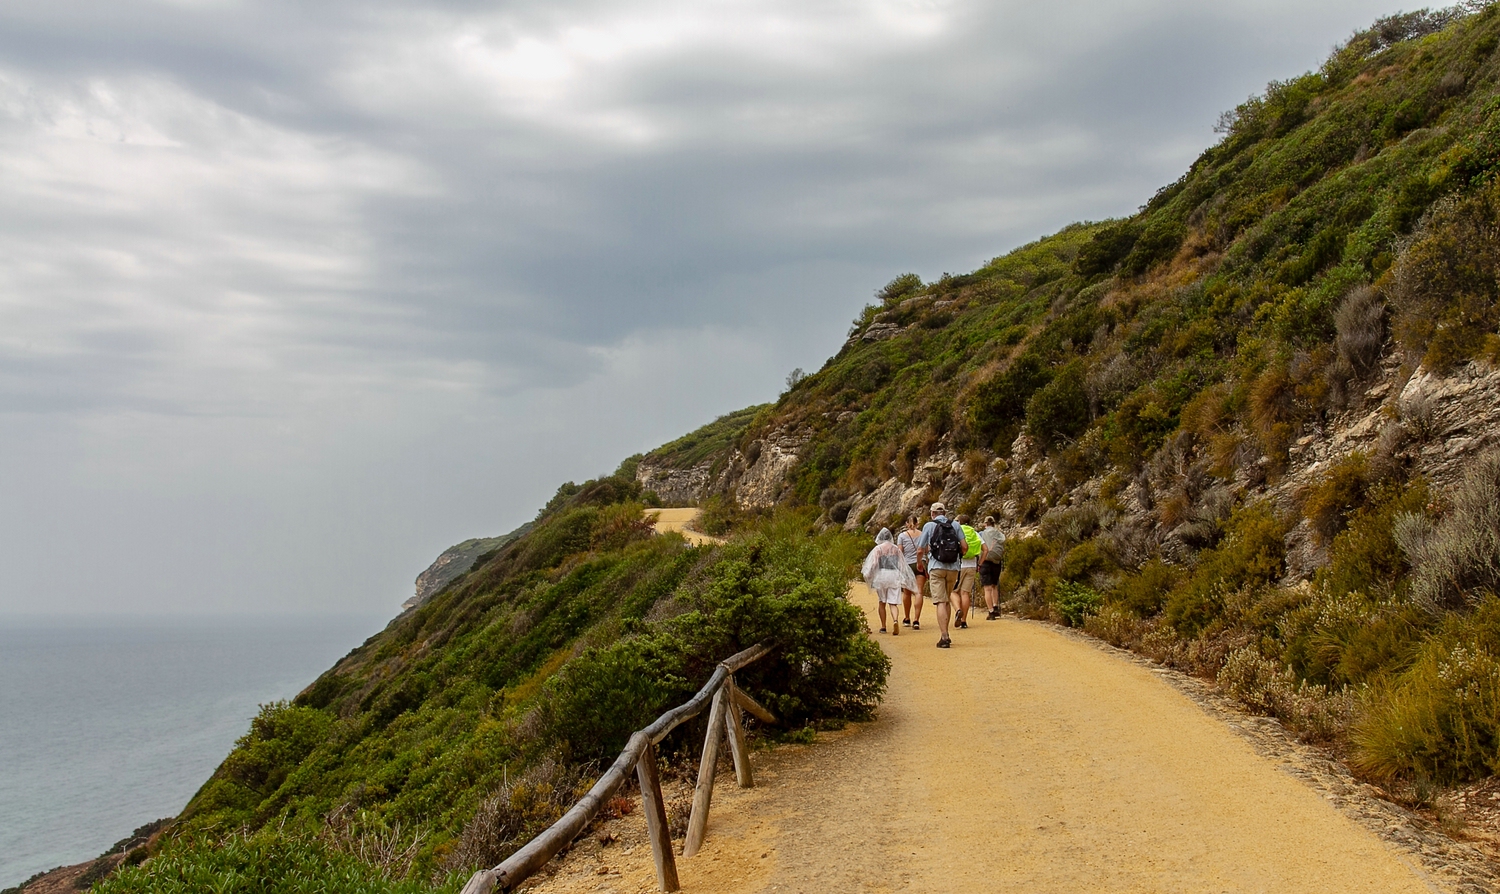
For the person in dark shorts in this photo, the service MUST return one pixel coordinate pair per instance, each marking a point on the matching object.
(990, 565)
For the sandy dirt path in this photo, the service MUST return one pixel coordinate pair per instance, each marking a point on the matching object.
(675, 520)
(1021, 760)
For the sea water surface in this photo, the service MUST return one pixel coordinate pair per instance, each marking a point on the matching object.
(106, 725)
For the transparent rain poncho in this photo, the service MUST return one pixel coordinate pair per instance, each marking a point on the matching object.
(886, 571)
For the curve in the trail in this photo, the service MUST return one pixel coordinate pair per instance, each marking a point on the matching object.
(1021, 760)
(676, 520)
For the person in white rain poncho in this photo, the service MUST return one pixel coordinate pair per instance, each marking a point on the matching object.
(887, 573)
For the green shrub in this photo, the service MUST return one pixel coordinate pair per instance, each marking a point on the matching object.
(1342, 491)
(1456, 560)
(1020, 557)
(722, 514)
(1364, 556)
(1082, 562)
(1440, 719)
(777, 584)
(901, 287)
(1059, 410)
(1250, 556)
(1107, 249)
(1443, 286)
(267, 862)
(1145, 592)
(1075, 602)
(998, 406)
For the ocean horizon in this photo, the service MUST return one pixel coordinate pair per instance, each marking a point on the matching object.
(108, 723)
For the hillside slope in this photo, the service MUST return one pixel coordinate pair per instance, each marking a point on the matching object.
(1248, 431)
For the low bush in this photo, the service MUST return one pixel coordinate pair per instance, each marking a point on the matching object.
(1359, 324)
(1020, 557)
(1266, 686)
(1250, 557)
(522, 808)
(267, 862)
(1145, 592)
(1456, 559)
(1439, 720)
(1075, 602)
(1059, 410)
(1443, 285)
(1340, 492)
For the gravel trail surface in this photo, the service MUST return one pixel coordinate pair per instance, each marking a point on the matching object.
(1020, 760)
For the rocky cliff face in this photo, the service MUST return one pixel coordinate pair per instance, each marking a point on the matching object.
(757, 477)
(1433, 424)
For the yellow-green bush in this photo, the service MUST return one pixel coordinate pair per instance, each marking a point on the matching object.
(1340, 492)
(1250, 556)
(1439, 719)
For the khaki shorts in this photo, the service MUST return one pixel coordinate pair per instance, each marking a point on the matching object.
(966, 581)
(940, 583)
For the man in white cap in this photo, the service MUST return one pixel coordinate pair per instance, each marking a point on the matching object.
(942, 543)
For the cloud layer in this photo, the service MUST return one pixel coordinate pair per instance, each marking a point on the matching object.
(294, 295)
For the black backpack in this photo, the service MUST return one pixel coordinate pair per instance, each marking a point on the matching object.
(946, 545)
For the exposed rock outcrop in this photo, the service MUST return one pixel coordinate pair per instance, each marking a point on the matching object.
(676, 487)
(756, 477)
(762, 478)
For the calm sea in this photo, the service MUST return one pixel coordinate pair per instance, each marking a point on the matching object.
(105, 726)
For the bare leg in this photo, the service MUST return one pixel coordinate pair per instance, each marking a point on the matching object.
(881, 603)
(916, 608)
(991, 598)
(906, 604)
(942, 613)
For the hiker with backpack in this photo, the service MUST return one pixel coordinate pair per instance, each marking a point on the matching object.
(907, 541)
(990, 565)
(886, 572)
(942, 544)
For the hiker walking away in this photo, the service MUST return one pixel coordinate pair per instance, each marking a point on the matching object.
(886, 572)
(907, 541)
(942, 544)
(990, 565)
(967, 570)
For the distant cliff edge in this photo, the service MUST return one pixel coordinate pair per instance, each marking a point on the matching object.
(456, 560)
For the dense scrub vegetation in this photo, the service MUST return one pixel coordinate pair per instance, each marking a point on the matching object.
(473, 721)
(1131, 398)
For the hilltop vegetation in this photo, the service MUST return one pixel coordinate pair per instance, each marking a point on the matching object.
(1194, 418)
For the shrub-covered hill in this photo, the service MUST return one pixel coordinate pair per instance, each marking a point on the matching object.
(473, 720)
(1245, 430)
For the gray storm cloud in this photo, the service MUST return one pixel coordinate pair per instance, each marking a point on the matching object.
(293, 296)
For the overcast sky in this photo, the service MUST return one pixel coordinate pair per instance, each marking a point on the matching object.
(295, 295)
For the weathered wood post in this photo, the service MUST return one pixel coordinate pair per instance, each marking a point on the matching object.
(655, 809)
(704, 792)
(735, 728)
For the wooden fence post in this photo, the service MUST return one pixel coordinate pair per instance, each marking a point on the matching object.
(735, 728)
(704, 792)
(656, 819)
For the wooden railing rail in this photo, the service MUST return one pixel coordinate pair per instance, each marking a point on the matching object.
(724, 702)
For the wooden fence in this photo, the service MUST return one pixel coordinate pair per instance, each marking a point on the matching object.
(724, 702)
